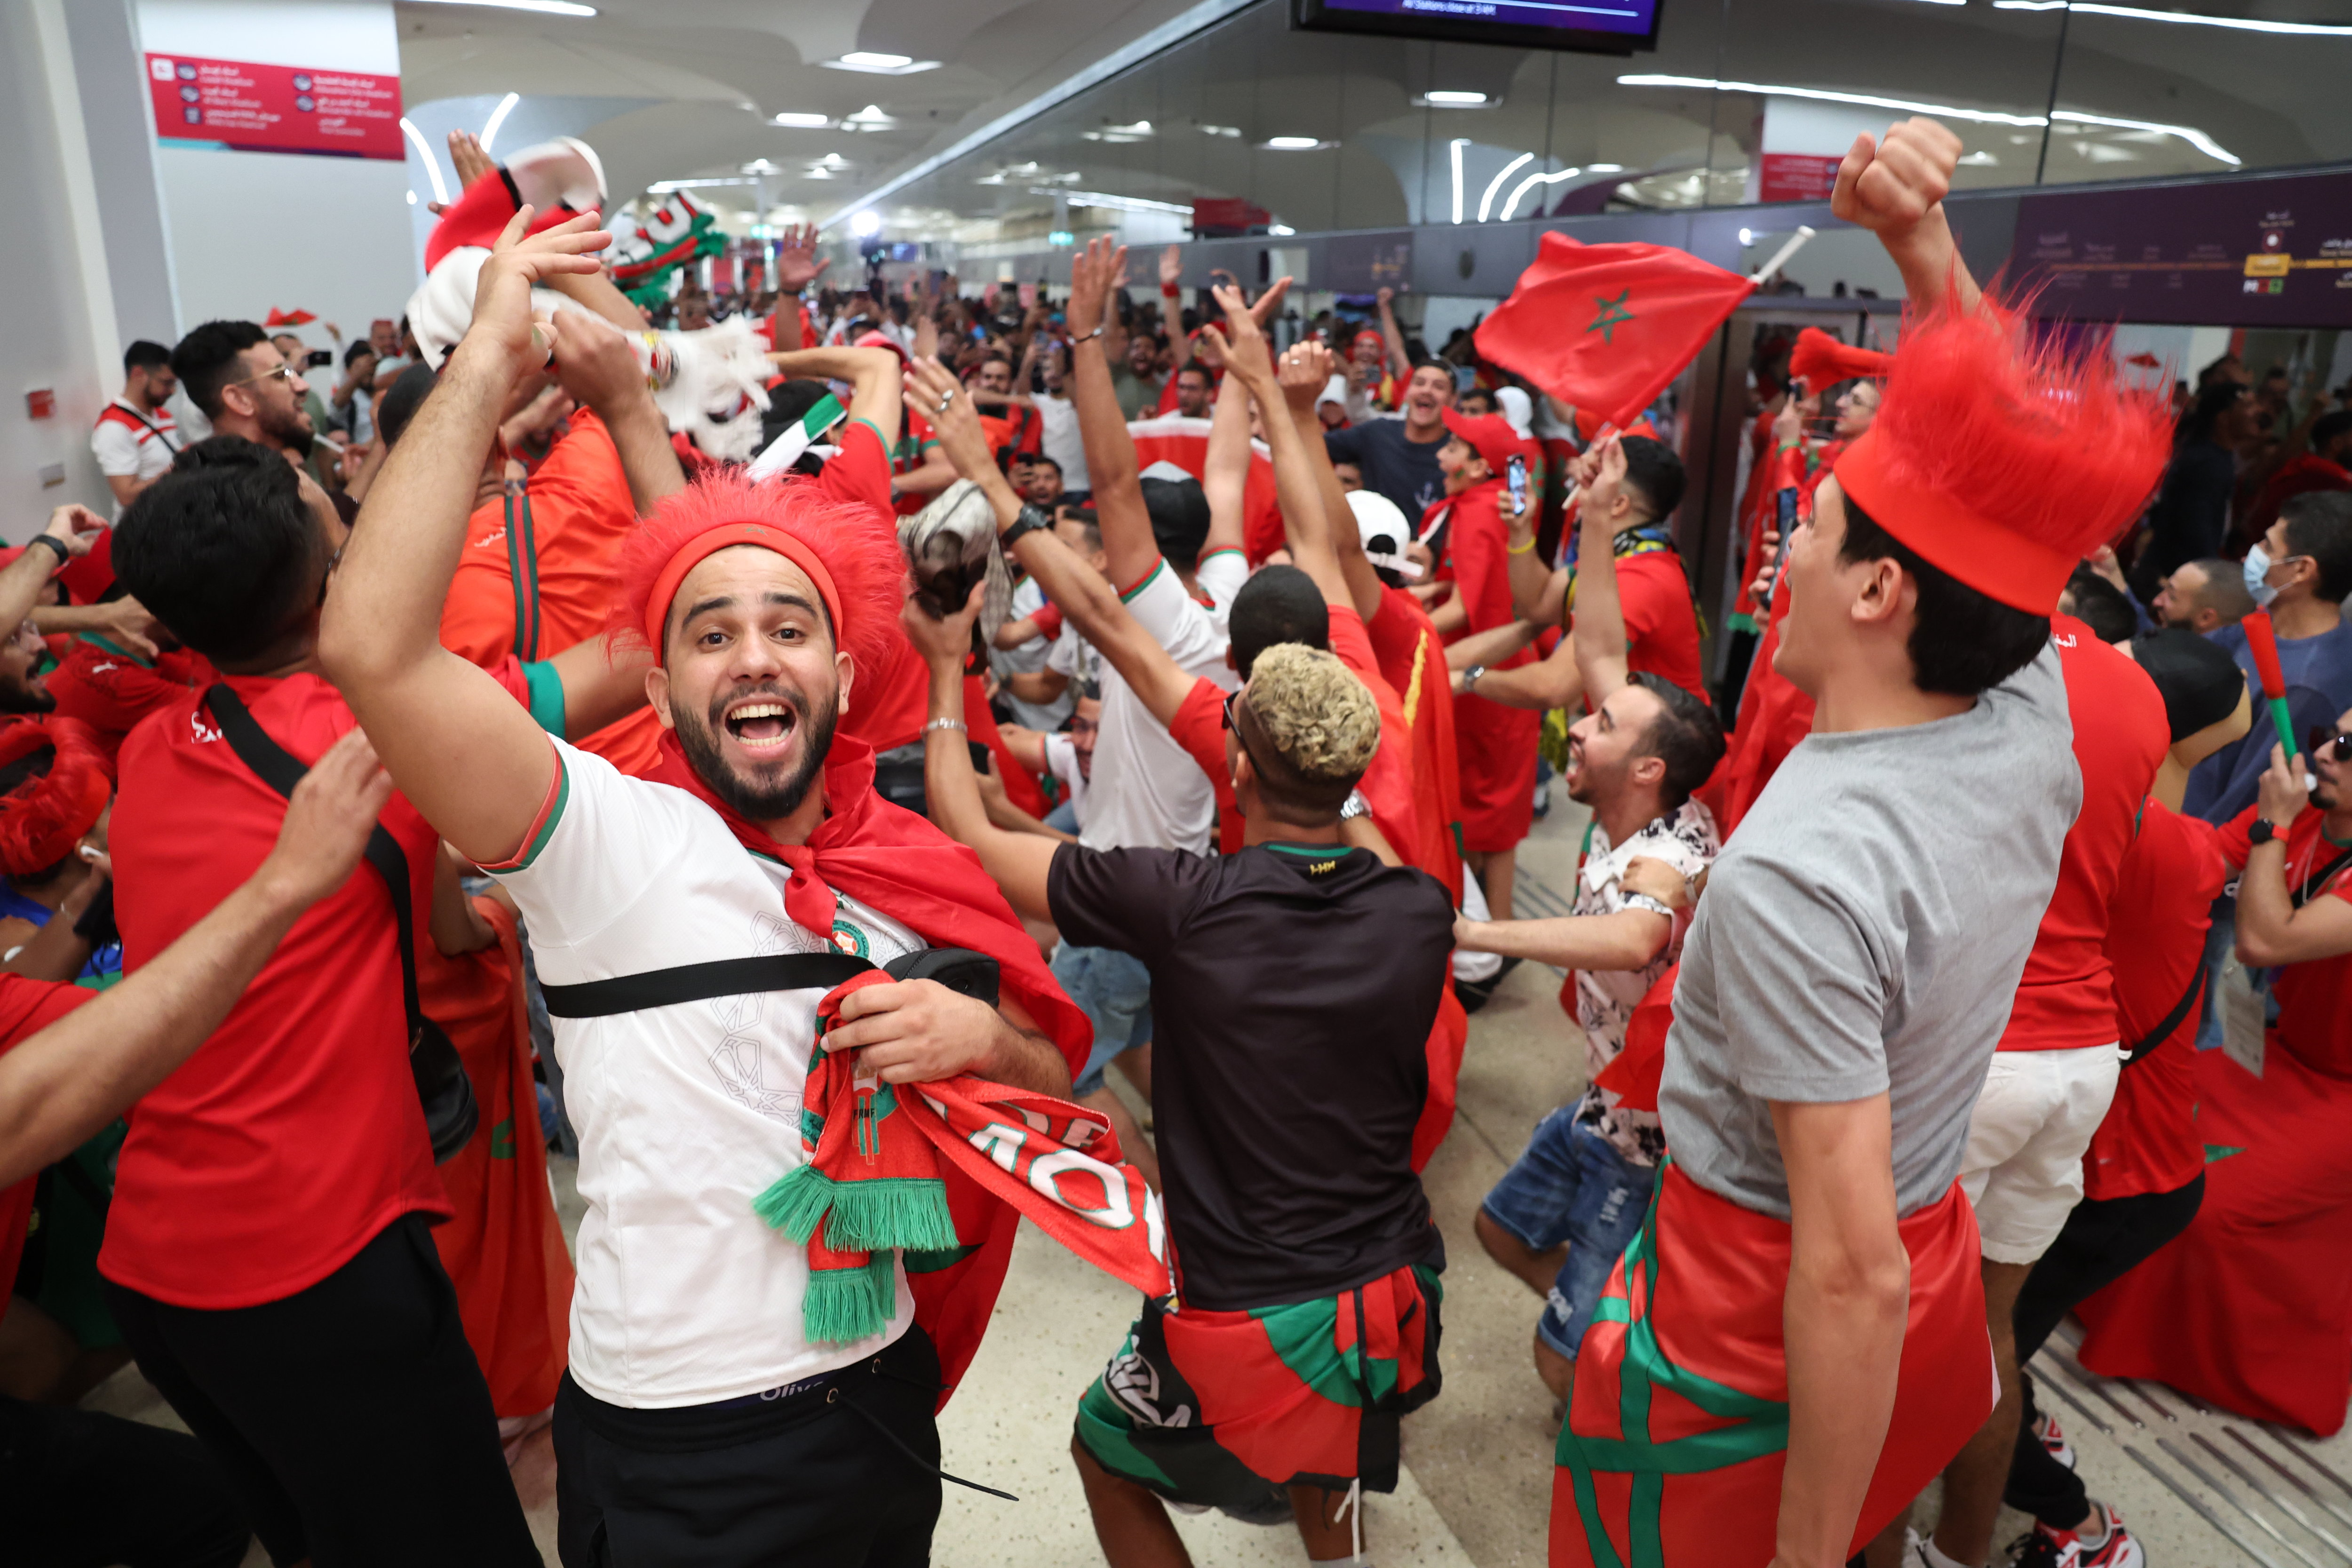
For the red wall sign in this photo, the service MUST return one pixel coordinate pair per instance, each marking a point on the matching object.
(1796, 177)
(275, 109)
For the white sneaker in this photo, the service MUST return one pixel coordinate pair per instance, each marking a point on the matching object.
(2053, 1442)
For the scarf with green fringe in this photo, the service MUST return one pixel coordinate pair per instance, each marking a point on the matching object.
(871, 1184)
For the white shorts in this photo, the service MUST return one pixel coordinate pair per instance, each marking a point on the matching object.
(2023, 1168)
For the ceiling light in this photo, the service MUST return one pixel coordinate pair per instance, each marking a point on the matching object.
(544, 7)
(866, 223)
(1530, 182)
(759, 166)
(1450, 98)
(664, 187)
(797, 121)
(412, 198)
(1604, 168)
(870, 118)
(1978, 161)
(1114, 203)
(1746, 237)
(498, 118)
(432, 164)
(876, 63)
(1232, 130)
(833, 161)
(2187, 133)
(2139, 14)
(1292, 143)
(1139, 131)
(1487, 202)
(1279, 229)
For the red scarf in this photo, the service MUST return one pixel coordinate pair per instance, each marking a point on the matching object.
(894, 861)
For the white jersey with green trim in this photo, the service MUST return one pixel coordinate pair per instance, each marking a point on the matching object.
(685, 1114)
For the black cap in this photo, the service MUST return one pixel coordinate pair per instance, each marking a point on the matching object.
(2199, 681)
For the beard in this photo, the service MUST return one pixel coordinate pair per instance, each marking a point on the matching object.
(288, 429)
(23, 696)
(762, 797)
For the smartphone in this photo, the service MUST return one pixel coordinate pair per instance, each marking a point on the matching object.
(1518, 481)
(319, 357)
(981, 762)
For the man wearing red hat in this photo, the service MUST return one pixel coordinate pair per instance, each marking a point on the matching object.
(1472, 534)
(704, 1413)
(1806, 1344)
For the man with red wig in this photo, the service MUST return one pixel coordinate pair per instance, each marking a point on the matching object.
(706, 1414)
(1796, 1340)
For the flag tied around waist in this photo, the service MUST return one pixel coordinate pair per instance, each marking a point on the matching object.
(871, 1183)
(1606, 327)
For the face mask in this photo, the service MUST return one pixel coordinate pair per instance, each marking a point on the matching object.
(2258, 571)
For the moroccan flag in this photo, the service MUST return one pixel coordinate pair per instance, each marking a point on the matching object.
(298, 318)
(1605, 327)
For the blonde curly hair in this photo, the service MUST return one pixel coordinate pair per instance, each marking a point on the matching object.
(1320, 721)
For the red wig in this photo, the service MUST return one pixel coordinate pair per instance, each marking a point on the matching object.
(2002, 461)
(1819, 360)
(44, 817)
(850, 550)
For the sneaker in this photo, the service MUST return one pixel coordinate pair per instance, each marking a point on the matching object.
(2053, 1442)
(2048, 1548)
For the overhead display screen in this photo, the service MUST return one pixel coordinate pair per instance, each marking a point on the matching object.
(1601, 26)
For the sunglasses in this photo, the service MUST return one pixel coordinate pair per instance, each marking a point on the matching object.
(2320, 742)
(282, 372)
(1240, 739)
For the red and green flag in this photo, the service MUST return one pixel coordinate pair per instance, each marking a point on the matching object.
(1606, 327)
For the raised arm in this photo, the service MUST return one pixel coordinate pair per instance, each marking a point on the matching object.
(1301, 365)
(1225, 474)
(873, 375)
(1550, 682)
(1085, 601)
(464, 752)
(1018, 862)
(1171, 306)
(72, 530)
(1538, 590)
(1249, 363)
(1119, 512)
(1894, 187)
(61, 1086)
(595, 364)
(1598, 631)
(2271, 930)
(1400, 357)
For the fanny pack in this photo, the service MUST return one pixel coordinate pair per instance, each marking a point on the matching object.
(451, 1112)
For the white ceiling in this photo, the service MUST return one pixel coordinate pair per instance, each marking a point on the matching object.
(685, 88)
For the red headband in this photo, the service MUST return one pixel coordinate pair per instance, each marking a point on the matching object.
(2001, 562)
(704, 546)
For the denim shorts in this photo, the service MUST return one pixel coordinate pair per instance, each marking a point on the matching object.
(1572, 1186)
(1114, 989)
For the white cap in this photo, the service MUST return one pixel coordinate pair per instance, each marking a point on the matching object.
(1516, 407)
(1381, 525)
(1334, 391)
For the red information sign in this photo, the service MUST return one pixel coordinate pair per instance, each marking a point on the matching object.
(275, 109)
(1796, 177)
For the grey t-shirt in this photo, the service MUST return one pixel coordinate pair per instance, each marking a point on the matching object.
(1864, 932)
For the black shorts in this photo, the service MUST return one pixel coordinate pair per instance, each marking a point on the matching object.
(78, 1489)
(351, 1417)
(844, 1474)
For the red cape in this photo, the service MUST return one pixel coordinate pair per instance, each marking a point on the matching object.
(893, 860)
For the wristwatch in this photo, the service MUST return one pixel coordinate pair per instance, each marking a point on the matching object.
(1030, 521)
(1356, 806)
(2261, 832)
(1643, 901)
(1470, 676)
(54, 542)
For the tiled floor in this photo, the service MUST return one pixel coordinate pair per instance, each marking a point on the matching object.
(2201, 1489)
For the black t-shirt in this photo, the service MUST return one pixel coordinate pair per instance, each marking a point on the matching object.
(1293, 989)
(1396, 466)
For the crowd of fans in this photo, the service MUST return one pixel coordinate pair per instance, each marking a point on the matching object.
(442, 756)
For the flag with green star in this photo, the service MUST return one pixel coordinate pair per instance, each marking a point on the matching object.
(1606, 327)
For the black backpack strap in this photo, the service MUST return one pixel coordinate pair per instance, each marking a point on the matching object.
(958, 969)
(277, 767)
(2180, 1009)
(700, 982)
